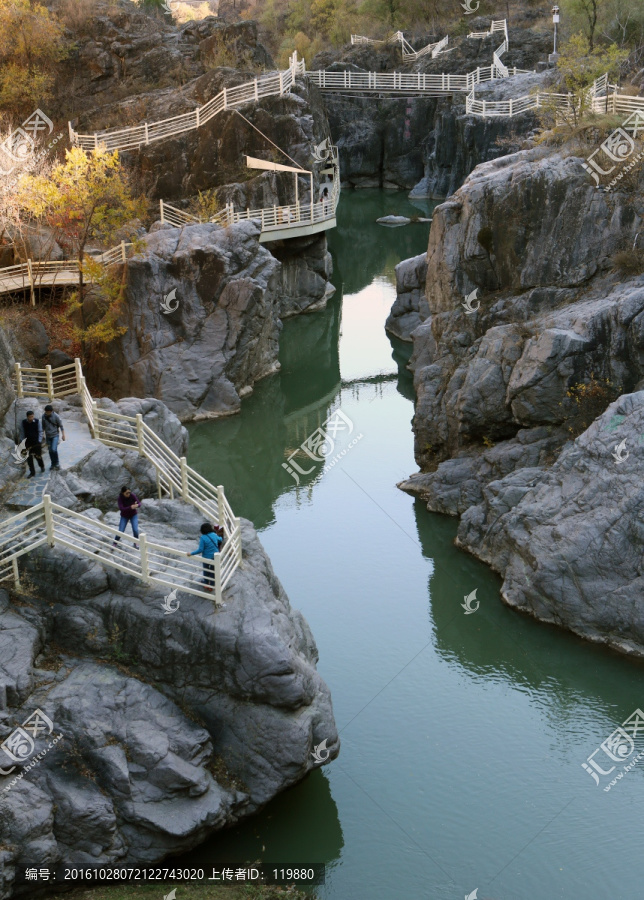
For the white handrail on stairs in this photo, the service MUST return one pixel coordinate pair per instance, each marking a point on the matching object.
(174, 476)
(275, 84)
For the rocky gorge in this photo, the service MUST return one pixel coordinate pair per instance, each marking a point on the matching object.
(505, 383)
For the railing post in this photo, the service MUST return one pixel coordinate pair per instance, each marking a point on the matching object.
(239, 543)
(31, 283)
(161, 206)
(218, 591)
(19, 380)
(123, 256)
(16, 573)
(146, 134)
(220, 504)
(96, 429)
(50, 382)
(49, 519)
(184, 478)
(510, 107)
(281, 83)
(71, 133)
(139, 434)
(79, 375)
(225, 100)
(198, 123)
(256, 91)
(143, 547)
(95, 141)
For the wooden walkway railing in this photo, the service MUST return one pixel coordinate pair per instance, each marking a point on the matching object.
(272, 218)
(408, 52)
(175, 478)
(37, 273)
(132, 138)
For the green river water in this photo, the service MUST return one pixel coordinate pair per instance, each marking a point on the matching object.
(463, 736)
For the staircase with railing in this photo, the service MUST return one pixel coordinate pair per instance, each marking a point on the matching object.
(154, 563)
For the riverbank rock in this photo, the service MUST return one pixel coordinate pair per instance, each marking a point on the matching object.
(222, 336)
(410, 307)
(306, 269)
(172, 726)
(504, 383)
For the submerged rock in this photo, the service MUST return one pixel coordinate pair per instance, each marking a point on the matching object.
(393, 220)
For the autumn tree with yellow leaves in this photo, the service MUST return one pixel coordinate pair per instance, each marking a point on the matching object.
(87, 198)
(31, 44)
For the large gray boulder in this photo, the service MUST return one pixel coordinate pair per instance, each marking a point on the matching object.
(223, 334)
(567, 539)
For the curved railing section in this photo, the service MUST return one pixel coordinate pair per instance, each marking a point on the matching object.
(275, 220)
(275, 84)
(175, 478)
(408, 52)
(42, 273)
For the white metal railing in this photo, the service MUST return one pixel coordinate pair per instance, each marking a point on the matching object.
(272, 218)
(408, 52)
(37, 273)
(277, 83)
(49, 523)
(602, 97)
(175, 477)
(497, 25)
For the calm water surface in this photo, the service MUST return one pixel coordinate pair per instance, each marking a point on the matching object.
(462, 736)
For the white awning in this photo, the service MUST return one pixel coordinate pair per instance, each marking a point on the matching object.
(253, 163)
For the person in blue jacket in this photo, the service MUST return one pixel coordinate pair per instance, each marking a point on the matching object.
(209, 544)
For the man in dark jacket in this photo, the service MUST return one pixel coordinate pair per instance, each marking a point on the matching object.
(52, 424)
(32, 434)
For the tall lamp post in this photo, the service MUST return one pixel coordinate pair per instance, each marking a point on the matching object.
(555, 19)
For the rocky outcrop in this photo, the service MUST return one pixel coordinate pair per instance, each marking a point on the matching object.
(306, 271)
(567, 539)
(410, 306)
(172, 726)
(529, 333)
(221, 337)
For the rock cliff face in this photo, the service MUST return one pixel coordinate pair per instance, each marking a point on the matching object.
(223, 334)
(173, 726)
(424, 144)
(498, 388)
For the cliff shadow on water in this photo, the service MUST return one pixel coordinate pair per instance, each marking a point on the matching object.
(500, 644)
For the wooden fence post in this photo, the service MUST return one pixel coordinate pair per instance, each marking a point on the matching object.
(220, 505)
(49, 519)
(50, 382)
(96, 429)
(184, 479)
(145, 568)
(79, 375)
(16, 573)
(19, 390)
(139, 434)
(218, 591)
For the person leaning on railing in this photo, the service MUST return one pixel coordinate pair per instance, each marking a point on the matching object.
(209, 544)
